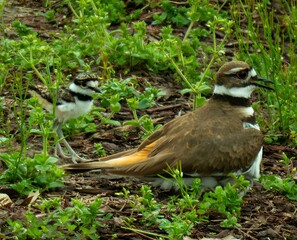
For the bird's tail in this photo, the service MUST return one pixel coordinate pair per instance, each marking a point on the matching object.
(43, 101)
(119, 160)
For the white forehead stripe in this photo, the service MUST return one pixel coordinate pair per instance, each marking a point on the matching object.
(253, 73)
(234, 70)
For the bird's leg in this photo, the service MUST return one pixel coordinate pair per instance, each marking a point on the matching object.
(59, 152)
(57, 126)
(72, 154)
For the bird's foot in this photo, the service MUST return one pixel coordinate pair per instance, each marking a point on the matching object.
(76, 158)
(59, 153)
(71, 154)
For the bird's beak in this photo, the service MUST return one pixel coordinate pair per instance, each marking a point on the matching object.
(262, 80)
(97, 90)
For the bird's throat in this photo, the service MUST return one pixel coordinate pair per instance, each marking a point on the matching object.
(81, 97)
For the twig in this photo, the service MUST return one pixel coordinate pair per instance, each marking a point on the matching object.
(163, 108)
(246, 234)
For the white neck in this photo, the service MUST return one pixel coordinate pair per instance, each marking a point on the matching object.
(86, 91)
(241, 92)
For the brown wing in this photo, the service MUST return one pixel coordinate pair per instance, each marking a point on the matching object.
(42, 91)
(204, 152)
(52, 95)
(65, 95)
(42, 94)
(202, 146)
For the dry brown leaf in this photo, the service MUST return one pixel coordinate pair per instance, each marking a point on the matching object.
(229, 237)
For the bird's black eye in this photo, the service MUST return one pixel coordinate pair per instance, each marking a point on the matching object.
(83, 83)
(242, 74)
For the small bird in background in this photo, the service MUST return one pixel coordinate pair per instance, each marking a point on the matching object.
(71, 103)
(217, 139)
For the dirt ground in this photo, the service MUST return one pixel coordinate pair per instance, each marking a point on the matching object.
(265, 215)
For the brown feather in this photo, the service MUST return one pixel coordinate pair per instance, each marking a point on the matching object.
(185, 139)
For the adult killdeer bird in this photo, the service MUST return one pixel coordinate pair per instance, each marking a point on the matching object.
(71, 103)
(220, 138)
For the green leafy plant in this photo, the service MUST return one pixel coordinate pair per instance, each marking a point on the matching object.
(115, 92)
(181, 213)
(99, 149)
(115, 9)
(25, 174)
(269, 43)
(286, 185)
(101, 36)
(200, 86)
(78, 220)
(21, 28)
(145, 123)
(172, 14)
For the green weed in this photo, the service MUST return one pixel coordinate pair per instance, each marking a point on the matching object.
(286, 185)
(99, 149)
(271, 42)
(172, 14)
(181, 213)
(77, 221)
(25, 174)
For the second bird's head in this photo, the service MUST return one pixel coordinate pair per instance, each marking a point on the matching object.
(87, 83)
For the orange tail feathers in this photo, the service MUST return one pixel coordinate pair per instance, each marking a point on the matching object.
(112, 163)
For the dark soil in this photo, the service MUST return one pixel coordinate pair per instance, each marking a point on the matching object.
(265, 214)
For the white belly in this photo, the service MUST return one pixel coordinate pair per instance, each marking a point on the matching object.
(66, 110)
(254, 170)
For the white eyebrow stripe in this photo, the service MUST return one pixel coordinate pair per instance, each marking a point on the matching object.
(234, 70)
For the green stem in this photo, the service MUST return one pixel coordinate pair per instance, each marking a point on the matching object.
(215, 52)
(180, 73)
(2, 28)
(93, 5)
(188, 30)
(145, 232)
(137, 119)
(135, 115)
(33, 66)
(104, 119)
(72, 9)
(45, 140)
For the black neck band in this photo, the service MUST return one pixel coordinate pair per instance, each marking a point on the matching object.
(80, 96)
(236, 101)
(251, 120)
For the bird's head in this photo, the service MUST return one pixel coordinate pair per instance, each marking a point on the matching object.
(88, 82)
(238, 79)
